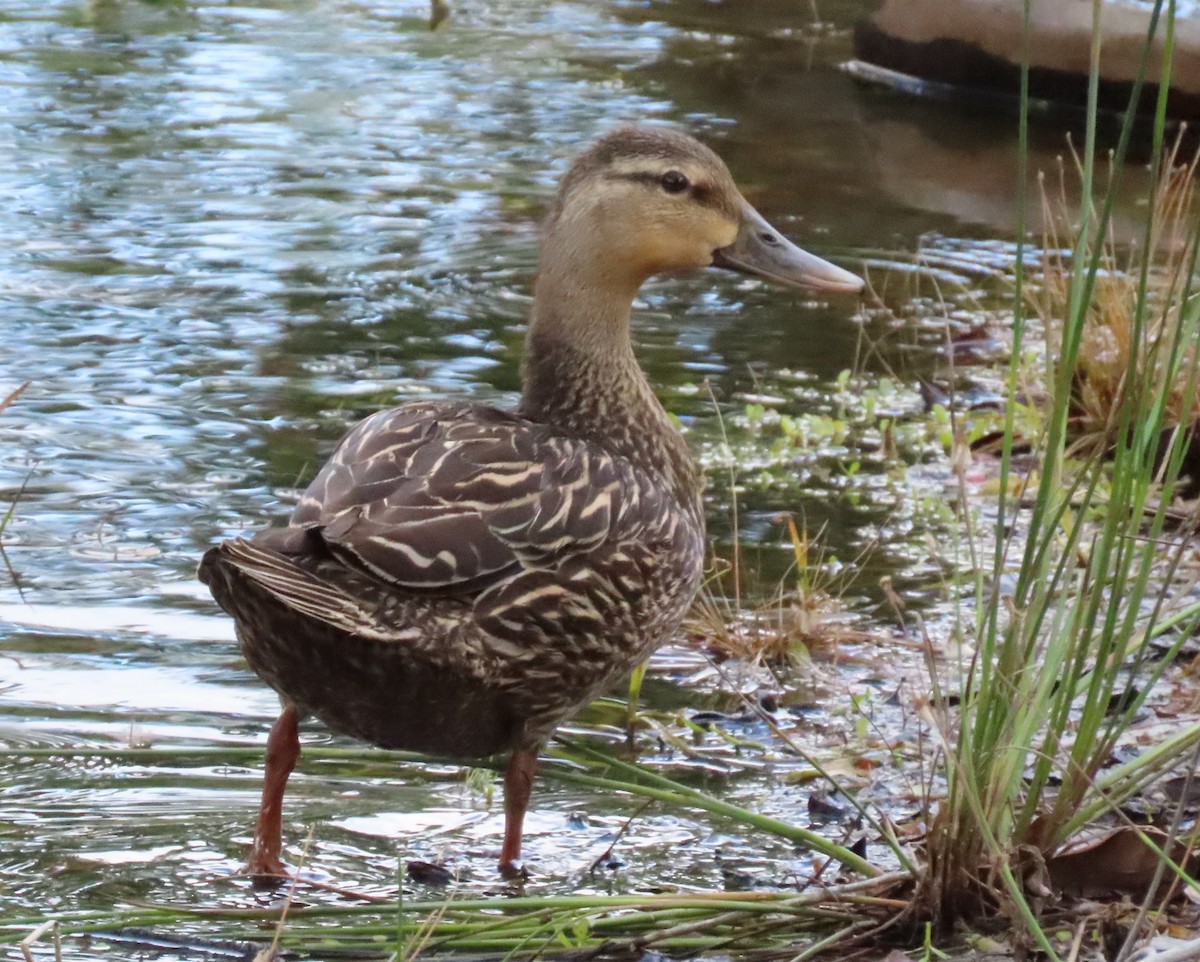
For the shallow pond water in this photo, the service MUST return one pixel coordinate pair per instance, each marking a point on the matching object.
(232, 229)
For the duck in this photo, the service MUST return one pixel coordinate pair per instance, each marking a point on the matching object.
(460, 579)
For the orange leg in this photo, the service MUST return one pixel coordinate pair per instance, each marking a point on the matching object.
(283, 749)
(518, 783)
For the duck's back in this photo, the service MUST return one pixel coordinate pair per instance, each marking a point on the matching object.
(457, 579)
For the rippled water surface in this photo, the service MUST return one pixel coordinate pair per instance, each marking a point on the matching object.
(232, 229)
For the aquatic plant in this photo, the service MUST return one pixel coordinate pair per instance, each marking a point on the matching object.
(1061, 661)
(517, 927)
(1137, 316)
(806, 610)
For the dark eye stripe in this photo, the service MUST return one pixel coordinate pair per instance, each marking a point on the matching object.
(700, 193)
(647, 178)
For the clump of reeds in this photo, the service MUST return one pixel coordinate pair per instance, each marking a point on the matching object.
(1136, 314)
(1059, 662)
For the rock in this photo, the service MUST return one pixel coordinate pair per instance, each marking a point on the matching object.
(975, 45)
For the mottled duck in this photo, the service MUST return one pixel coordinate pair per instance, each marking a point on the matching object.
(460, 579)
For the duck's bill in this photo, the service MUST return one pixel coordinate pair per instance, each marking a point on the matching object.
(762, 251)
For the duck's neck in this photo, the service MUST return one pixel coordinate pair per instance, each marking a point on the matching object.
(582, 377)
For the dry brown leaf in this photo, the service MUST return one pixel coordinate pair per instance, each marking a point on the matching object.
(1118, 862)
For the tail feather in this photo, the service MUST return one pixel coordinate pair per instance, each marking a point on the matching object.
(298, 589)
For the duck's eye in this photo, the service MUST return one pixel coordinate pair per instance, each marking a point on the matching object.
(673, 182)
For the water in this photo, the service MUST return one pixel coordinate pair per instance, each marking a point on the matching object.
(233, 229)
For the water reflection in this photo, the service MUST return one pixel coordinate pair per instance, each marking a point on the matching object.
(867, 167)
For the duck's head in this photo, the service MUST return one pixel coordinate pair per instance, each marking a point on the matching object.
(650, 200)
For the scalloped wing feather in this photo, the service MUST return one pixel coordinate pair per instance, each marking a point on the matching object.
(458, 497)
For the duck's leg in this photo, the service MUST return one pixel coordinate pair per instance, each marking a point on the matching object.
(283, 749)
(518, 783)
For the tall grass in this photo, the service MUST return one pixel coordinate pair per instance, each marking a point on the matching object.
(1096, 573)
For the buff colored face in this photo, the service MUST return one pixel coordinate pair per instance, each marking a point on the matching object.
(657, 215)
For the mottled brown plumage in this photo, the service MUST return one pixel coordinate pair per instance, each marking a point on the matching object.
(459, 579)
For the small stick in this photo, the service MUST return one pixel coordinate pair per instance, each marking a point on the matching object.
(29, 940)
(607, 853)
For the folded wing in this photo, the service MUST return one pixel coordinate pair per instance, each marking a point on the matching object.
(444, 498)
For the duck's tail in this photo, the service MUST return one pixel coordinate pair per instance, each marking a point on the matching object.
(229, 567)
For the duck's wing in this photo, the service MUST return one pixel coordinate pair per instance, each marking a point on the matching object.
(455, 498)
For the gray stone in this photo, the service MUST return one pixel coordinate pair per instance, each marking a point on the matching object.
(975, 45)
